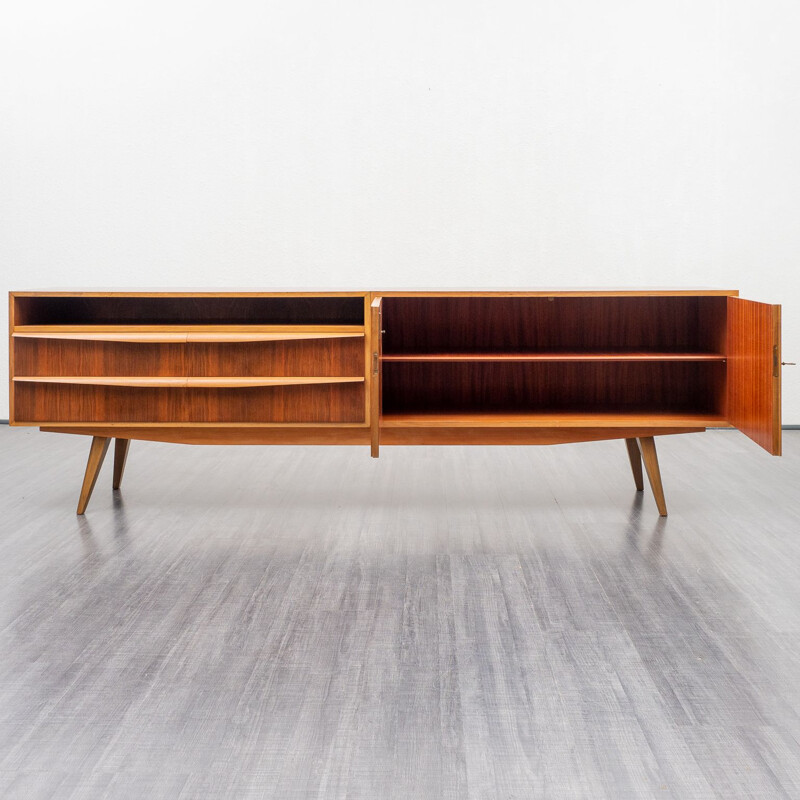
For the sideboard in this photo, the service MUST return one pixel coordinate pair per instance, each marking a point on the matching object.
(394, 368)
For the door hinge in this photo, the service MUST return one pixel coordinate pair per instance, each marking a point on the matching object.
(374, 363)
(775, 362)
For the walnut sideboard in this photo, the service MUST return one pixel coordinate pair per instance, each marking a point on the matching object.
(394, 368)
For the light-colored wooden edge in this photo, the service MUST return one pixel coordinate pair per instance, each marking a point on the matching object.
(367, 358)
(157, 382)
(541, 292)
(359, 435)
(375, 372)
(188, 293)
(552, 420)
(321, 434)
(519, 436)
(11, 309)
(221, 337)
(562, 293)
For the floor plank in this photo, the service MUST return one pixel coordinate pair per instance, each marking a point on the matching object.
(455, 622)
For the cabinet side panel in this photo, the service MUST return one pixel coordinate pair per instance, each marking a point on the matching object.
(11, 309)
(754, 383)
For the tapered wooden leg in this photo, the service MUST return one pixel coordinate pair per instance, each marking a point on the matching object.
(120, 457)
(635, 457)
(648, 449)
(96, 455)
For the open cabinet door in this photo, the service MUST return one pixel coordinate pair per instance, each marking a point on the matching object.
(754, 371)
(375, 404)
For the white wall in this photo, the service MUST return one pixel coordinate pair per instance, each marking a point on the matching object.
(368, 144)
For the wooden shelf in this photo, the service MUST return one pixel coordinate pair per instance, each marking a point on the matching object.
(183, 383)
(553, 356)
(147, 334)
(556, 419)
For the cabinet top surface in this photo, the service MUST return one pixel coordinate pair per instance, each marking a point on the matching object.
(438, 292)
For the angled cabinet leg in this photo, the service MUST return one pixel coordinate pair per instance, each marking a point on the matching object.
(97, 453)
(648, 449)
(120, 457)
(635, 457)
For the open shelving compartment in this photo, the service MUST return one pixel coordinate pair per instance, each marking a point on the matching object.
(480, 361)
(189, 357)
(186, 309)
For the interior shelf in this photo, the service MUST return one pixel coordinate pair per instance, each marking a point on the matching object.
(562, 419)
(555, 356)
(185, 383)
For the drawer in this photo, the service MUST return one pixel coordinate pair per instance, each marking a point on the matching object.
(245, 375)
(44, 402)
(343, 356)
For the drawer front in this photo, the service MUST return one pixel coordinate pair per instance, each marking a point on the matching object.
(323, 358)
(305, 357)
(309, 403)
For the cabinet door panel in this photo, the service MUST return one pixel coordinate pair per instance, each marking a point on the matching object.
(754, 382)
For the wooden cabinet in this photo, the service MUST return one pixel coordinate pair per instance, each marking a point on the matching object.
(387, 368)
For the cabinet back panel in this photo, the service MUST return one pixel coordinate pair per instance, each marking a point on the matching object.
(43, 310)
(524, 324)
(433, 387)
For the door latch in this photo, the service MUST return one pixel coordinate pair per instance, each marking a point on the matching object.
(782, 363)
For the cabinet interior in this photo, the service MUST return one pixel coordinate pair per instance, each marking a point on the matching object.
(532, 355)
(188, 310)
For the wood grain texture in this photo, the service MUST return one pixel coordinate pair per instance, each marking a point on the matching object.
(635, 457)
(227, 434)
(344, 434)
(558, 419)
(121, 447)
(11, 356)
(558, 356)
(647, 446)
(474, 623)
(184, 337)
(548, 387)
(311, 358)
(310, 403)
(176, 309)
(376, 370)
(438, 434)
(421, 325)
(185, 383)
(754, 371)
(97, 454)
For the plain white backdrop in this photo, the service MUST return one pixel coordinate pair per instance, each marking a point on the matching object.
(372, 145)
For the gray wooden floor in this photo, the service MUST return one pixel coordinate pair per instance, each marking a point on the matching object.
(441, 623)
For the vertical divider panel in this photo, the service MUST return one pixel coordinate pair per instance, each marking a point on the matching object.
(376, 335)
